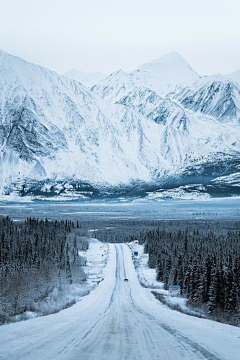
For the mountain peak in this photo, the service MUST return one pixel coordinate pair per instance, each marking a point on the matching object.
(57, 129)
(235, 76)
(173, 58)
(163, 74)
(120, 72)
(72, 71)
(117, 75)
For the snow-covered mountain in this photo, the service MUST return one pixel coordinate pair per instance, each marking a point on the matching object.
(161, 76)
(54, 128)
(234, 77)
(87, 79)
(215, 96)
(161, 110)
(115, 86)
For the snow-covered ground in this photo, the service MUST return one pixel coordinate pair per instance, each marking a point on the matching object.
(64, 296)
(147, 277)
(187, 192)
(119, 320)
(96, 260)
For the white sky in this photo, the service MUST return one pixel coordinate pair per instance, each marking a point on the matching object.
(105, 35)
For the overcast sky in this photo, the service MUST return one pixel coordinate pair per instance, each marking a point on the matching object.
(105, 35)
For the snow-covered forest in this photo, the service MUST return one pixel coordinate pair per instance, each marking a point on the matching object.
(204, 263)
(203, 257)
(41, 261)
(38, 257)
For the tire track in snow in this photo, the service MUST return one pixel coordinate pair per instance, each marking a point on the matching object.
(114, 326)
(183, 340)
(76, 342)
(109, 320)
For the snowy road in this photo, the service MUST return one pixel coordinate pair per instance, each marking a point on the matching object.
(119, 320)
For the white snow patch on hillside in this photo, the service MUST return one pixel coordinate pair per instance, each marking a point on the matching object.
(182, 192)
(232, 179)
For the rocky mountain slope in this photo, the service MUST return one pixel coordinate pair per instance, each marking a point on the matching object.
(160, 110)
(53, 130)
(216, 96)
(55, 127)
(161, 76)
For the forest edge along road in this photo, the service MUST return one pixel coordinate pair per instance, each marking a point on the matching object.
(119, 320)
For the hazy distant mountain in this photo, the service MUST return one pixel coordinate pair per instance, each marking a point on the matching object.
(54, 129)
(235, 76)
(87, 79)
(161, 75)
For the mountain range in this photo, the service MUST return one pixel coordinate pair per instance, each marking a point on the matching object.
(86, 79)
(159, 131)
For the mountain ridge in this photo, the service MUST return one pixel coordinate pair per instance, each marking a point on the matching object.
(53, 128)
(160, 75)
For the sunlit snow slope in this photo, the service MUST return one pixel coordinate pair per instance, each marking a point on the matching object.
(52, 127)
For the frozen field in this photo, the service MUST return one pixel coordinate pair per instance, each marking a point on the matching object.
(224, 208)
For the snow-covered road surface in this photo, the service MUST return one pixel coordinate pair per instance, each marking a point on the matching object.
(119, 320)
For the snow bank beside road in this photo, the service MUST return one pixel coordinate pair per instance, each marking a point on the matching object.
(96, 259)
(62, 297)
(119, 320)
(147, 278)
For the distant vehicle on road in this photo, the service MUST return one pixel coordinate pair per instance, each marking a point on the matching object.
(125, 279)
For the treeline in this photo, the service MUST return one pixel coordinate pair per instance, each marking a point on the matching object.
(205, 264)
(126, 230)
(35, 257)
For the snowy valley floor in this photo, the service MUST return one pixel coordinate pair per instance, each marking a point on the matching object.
(119, 320)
